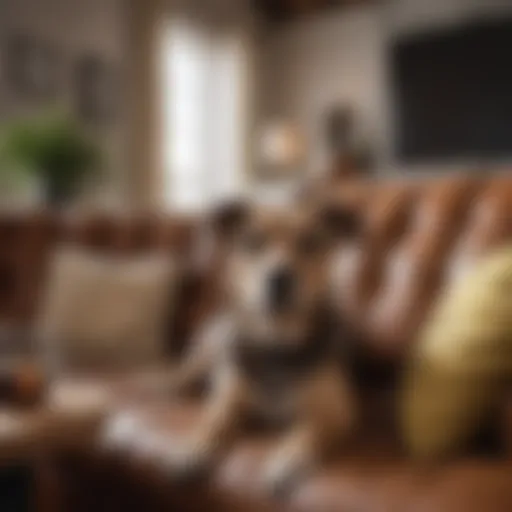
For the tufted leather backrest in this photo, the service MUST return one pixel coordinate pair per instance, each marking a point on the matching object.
(27, 241)
(418, 237)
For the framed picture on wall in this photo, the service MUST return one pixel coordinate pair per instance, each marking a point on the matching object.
(30, 68)
(96, 90)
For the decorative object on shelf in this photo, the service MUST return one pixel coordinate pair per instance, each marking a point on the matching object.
(339, 129)
(281, 149)
(97, 90)
(30, 68)
(348, 150)
(281, 152)
(53, 149)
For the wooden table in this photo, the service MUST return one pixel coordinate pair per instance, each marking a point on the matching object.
(30, 437)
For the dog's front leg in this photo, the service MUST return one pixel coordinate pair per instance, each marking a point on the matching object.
(216, 429)
(211, 341)
(328, 415)
(296, 456)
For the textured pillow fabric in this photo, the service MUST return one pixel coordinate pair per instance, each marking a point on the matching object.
(463, 359)
(105, 311)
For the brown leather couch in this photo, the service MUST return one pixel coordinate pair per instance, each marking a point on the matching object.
(419, 235)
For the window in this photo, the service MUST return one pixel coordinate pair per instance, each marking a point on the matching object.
(203, 115)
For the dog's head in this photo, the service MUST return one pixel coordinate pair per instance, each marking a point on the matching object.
(279, 264)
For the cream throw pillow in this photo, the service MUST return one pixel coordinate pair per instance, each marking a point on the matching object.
(463, 361)
(105, 311)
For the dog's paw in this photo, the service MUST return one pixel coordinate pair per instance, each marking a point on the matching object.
(188, 464)
(281, 481)
(191, 470)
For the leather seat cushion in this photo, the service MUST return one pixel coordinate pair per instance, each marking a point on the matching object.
(241, 471)
(371, 476)
(392, 486)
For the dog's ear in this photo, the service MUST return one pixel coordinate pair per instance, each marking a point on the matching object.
(341, 221)
(229, 218)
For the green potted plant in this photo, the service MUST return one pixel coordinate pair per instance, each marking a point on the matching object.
(55, 150)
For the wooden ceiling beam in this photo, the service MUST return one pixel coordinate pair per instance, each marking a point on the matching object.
(286, 10)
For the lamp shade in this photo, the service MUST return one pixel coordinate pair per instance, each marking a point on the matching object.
(281, 146)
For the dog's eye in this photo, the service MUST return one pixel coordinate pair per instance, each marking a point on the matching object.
(253, 241)
(311, 243)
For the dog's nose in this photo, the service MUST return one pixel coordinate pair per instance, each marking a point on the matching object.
(281, 287)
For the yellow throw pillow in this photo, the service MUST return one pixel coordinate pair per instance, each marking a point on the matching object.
(463, 359)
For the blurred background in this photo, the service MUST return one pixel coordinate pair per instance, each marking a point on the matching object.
(180, 103)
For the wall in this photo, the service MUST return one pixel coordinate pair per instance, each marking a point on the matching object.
(76, 27)
(340, 56)
(124, 32)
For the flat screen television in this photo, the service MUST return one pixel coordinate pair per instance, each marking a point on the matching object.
(452, 93)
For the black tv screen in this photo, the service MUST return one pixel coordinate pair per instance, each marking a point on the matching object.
(453, 93)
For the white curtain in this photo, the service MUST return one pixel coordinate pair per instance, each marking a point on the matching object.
(204, 114)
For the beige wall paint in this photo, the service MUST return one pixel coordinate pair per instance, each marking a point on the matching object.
(125, 32)
(76, 27)
(313, 63)
(340, 56)
(143, 141)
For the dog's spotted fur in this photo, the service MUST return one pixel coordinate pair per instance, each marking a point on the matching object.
(282, 365)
